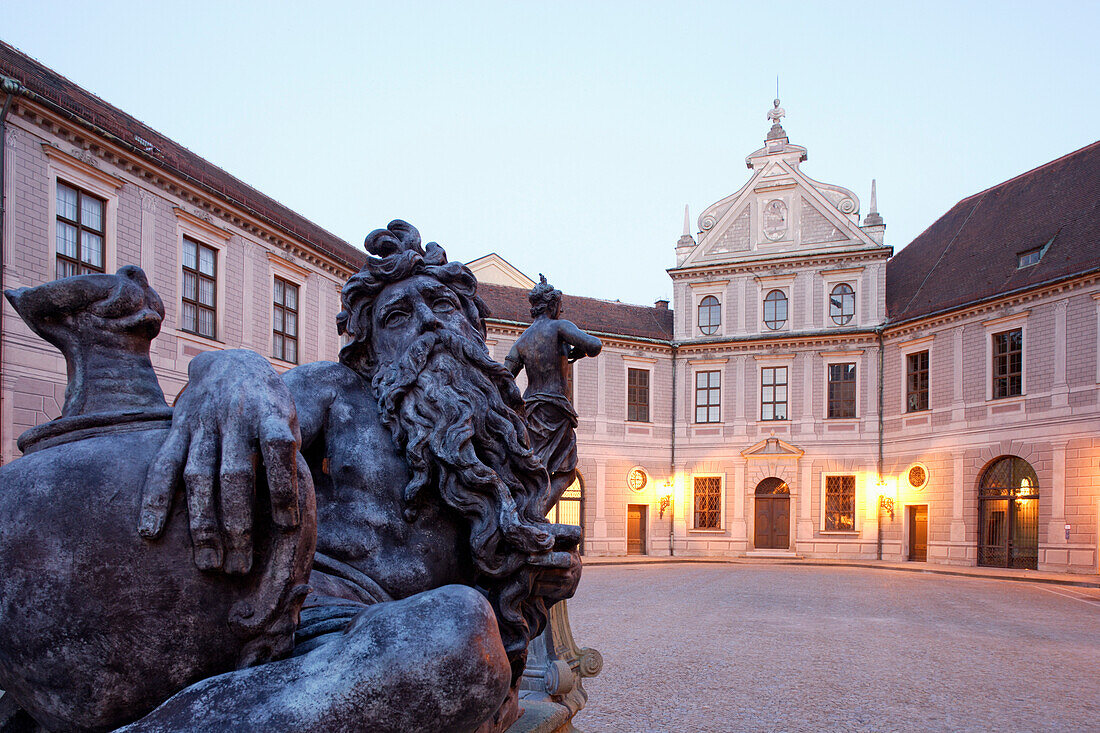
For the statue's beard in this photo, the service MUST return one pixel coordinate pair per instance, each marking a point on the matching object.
(457, 416)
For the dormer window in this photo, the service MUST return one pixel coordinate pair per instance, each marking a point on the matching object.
(775, 310)
(842, 304)
(710, 315)
(1030, 257)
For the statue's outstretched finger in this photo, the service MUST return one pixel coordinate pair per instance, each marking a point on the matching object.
(160, 483)
(279, 446)
(235, 497)
(198, 479)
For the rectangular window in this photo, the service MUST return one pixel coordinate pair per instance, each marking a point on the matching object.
(200, 275)
(284, 322)
(1008, 364)
(773, 393)
(840, 503)
(707, 397)
(708, 502)
(916, 382)
(842, 390)
(637, 395)
(80, 231)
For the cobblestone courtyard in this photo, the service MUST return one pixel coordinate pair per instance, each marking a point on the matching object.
(730, 647)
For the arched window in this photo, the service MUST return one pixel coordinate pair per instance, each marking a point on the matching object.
(1008, 514)
(710, 315)
(570, 507)
(775, 309)
(842, 304)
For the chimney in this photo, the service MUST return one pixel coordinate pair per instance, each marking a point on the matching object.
(661, 305)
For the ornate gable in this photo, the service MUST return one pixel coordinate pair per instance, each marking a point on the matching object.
(779, 212)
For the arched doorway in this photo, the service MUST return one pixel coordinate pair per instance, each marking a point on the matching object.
(570, 507)
(772, 526)
(1008, 515)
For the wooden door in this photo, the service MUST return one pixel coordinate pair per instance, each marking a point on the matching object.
(635, 529)
(772, 526)
(918, 533)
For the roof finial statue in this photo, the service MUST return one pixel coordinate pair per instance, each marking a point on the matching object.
(774, 115)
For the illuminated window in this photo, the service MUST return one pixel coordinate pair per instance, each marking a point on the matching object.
(916, 382)
(842, 304)
(775, 310)
(637, 395)
(842, 390)
(80, 231)
(1008, 364)
(200, 274)
(840, 503)
(708, 502)
(710, 315)
(773, 393)
(708, 396)
(284, 338)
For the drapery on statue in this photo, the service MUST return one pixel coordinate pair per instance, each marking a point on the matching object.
(546, 349)
(434, 566)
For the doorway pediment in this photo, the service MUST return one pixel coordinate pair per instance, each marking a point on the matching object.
(773, 448)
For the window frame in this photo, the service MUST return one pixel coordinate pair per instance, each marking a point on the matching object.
(919, 390)
(716, 307)
(853, 278)
(79, 265)
(276, 307)
(192, 227)
(852, 294)
(708, 406)
(856, 494)
(786, 402)
(721, 511)
(1008, 374)
(780, 324)
(75, 173)
(648, 416)
(993, 327)
(199, 278)
(854, 363)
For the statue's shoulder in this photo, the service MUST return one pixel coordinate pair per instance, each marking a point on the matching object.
(328, 378)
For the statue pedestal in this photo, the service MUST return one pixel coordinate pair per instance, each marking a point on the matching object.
(551, 689)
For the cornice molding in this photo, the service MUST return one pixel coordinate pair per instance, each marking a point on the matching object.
(62, 159)
(150, 172)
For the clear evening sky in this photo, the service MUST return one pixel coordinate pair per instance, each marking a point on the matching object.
(567, 136)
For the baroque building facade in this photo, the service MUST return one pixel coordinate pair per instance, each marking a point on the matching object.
(807, 394)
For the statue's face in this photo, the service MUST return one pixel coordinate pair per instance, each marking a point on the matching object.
(404, 310)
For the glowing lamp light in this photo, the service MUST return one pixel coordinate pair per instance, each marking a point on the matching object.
(665, 501)
(887, 494)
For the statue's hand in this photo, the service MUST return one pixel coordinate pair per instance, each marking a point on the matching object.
(560, 569)
(234, 406)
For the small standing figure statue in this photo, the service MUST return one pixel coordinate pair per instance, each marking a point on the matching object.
(546, 349)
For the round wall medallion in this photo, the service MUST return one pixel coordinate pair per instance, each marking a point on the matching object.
(637, 478)
(775, 219)
(917, 476)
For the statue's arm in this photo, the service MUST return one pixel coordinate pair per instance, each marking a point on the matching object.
(314, 387)
(234, 407)
(514, 361)
(581, 344)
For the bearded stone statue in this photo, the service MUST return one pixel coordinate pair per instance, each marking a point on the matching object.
(434, 565)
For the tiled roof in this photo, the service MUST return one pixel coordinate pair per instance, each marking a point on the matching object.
(590, 314)
(972, 252)
(170, 156)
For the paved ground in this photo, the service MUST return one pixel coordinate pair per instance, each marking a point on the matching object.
(696, 647)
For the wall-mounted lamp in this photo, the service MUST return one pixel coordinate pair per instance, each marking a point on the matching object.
(885, 496)
(886, 503)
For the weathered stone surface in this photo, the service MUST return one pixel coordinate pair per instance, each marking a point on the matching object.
(434, 565)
